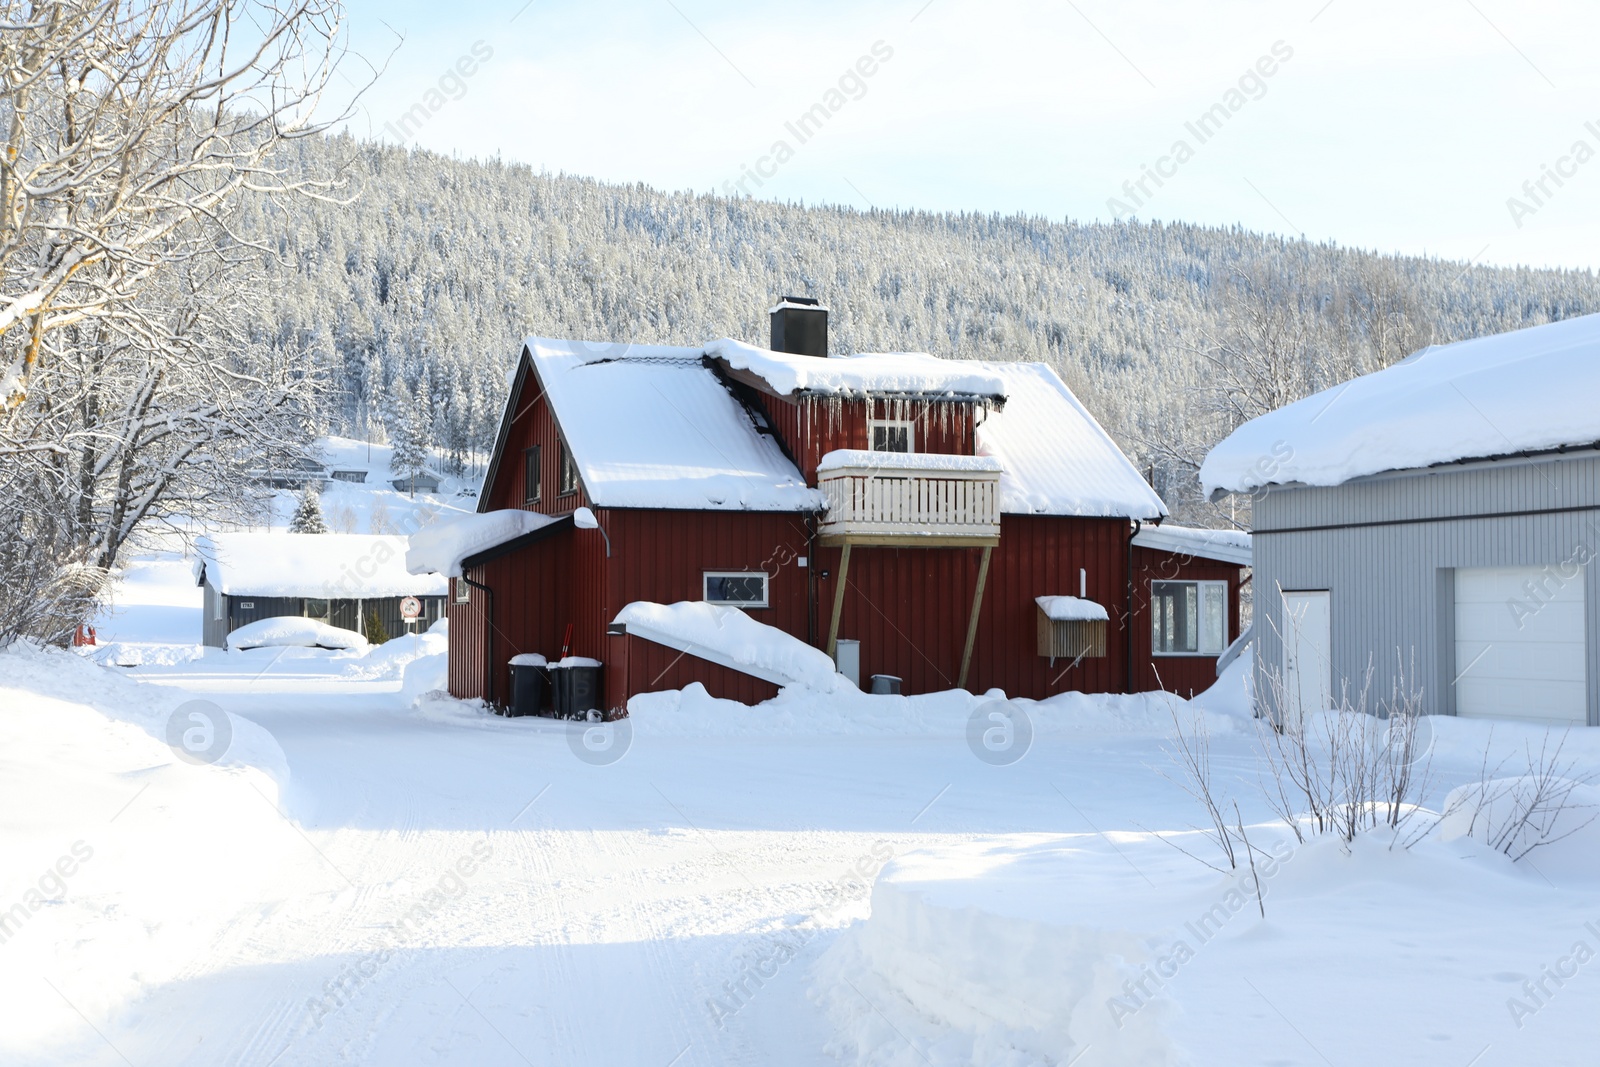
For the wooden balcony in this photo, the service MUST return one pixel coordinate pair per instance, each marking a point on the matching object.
(921, 499)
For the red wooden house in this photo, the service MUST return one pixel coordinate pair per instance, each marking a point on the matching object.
(950, 523)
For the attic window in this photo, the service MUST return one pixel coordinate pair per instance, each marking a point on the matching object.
(891, 435)
(569, 472)
(742, 589)
(530, 475)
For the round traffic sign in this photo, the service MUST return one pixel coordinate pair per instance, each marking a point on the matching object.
(411, 608)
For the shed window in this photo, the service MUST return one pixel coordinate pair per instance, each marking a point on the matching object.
(891, 435)
(745, 589)
(530, 475)
(463, 591)
(1188, 618)
(569, 472)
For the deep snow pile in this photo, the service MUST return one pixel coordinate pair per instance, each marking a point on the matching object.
(1071, 609)
(1050, 950)
(440, 547)
(28, 672)
(846, 711)
(315, 565)
(728, 636)
(292, 631)
(876, 372)
(1523, 391)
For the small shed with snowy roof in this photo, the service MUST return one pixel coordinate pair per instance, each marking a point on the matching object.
(1436, 523)
(355, 582)
(897, 512)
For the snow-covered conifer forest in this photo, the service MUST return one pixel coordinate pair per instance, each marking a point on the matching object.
(1172, 334)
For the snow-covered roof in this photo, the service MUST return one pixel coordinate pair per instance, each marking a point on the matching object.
(1230, 546)
(859, 375)
(1057, 459)
(321, 566)
(906, 461)
(651, 427)
(1071, 609)
(1523, 391)
(441, 547)
(727, 636)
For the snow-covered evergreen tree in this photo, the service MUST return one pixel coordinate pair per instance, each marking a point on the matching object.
(308, 516)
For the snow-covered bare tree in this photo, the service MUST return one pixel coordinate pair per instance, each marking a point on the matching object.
(133, 386)
(130, 126)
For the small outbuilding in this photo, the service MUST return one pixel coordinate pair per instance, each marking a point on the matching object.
(421, 482)
(1435, 524)
(355, 582)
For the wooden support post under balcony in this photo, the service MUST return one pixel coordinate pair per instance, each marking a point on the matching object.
(972, 623)
(838, 602)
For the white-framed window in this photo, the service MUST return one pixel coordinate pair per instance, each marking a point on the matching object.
(740, 589)
(891, 435)
(463, 591)
(1188, 618)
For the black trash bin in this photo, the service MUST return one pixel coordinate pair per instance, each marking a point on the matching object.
(884, 684)
(575, 686)
(528, 679)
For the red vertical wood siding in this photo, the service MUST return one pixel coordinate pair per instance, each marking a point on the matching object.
(661, 556)
(816, 426)
(531, 424)
(1184, 675)
(909, 607)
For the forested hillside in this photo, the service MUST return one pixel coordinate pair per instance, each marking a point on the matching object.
(409, 299)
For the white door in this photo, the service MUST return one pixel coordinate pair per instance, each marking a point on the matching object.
(1520, 644)
(1307, 665)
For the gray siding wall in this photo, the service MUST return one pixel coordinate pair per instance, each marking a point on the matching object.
(214, 631)
(1391, 587)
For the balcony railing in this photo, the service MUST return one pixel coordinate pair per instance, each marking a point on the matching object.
(890, 498)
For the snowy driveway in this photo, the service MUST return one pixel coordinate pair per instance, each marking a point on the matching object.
(439, 886)
(617, 914)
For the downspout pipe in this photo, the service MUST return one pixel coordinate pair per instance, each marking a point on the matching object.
(1127, 629)
(488, 639)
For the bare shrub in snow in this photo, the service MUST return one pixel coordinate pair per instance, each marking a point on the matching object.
(1191, 751)
(1360, 765)
(1516, 814)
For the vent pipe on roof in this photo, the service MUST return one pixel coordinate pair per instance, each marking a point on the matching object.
(800, 326)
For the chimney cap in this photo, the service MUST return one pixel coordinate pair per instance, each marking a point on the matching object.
(799, 303)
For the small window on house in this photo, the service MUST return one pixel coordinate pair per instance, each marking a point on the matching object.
(569, 472)
(530, 475)
(463, 591)
(218, 602)
(744, 589)
(1188, 618)
(891, 435)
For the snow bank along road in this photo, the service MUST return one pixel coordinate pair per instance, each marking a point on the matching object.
(362, 883)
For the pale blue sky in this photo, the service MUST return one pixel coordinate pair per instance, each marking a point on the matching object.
(1392, 126)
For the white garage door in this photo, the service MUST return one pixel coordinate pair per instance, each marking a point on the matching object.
(1515, 657)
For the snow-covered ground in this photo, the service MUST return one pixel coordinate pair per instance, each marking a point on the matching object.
(345, 878)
